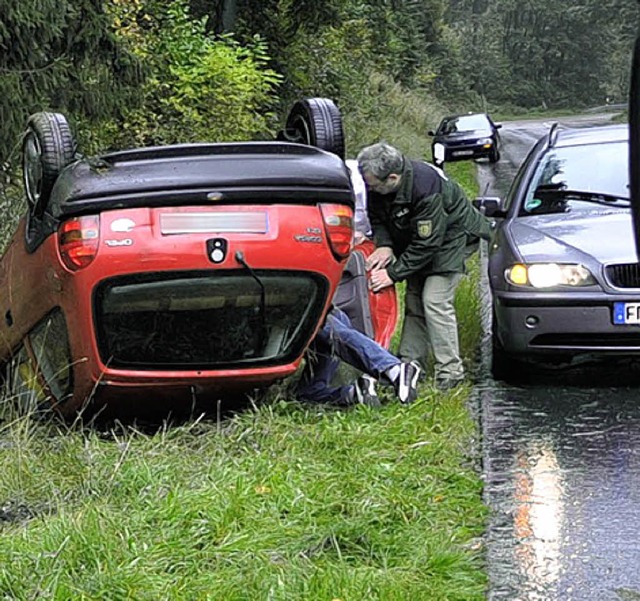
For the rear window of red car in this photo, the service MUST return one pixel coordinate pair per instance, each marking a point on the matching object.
(207, 320)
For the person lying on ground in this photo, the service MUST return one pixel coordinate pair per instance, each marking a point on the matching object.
(338, 340)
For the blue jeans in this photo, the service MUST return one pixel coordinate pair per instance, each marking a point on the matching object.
(338, 340)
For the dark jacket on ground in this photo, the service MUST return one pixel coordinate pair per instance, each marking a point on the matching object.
(427, 222)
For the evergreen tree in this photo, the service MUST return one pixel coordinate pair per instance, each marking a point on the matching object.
(60, 55)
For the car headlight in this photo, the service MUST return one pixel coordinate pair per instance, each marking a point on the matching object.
(438, 151)
(549, 275)
(485, 141)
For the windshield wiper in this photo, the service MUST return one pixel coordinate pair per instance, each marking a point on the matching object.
(557, 192)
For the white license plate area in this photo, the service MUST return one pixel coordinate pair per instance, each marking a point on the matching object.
(626, 313)
(462, 153)
(224, 222)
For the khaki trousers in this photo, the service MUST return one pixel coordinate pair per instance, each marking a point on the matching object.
(431, 326)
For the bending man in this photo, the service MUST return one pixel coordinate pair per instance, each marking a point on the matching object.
(421, 223)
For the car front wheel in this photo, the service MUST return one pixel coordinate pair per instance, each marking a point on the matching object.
(47, 147)
(503, 366)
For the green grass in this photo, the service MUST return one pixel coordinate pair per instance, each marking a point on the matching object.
(468, 299)
(282, 502)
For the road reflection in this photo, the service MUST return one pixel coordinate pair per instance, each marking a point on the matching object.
(562, 479)
(539, 514)
(561, 461)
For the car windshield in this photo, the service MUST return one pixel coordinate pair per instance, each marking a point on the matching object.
(573, 178)
(464, 123)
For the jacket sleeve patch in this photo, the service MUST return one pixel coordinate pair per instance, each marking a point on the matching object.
(425, 228)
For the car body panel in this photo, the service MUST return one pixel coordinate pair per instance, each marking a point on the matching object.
(254, 211)
(213, 173)
(605, 235)
(373, 313)
(147, 250)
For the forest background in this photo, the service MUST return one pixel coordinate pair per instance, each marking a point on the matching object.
(140, 72)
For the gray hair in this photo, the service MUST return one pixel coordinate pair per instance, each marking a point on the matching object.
(380, 160)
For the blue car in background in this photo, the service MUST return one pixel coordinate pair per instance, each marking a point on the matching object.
(462, 137)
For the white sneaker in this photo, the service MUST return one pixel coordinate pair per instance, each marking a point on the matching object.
(406, 384)
(366, 392)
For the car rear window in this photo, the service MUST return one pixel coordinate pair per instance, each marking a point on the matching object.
(207, 320)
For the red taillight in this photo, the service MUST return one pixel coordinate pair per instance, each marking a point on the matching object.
(78, 240)
(338, 223)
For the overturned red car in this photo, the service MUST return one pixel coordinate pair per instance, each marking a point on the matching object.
(166, 278)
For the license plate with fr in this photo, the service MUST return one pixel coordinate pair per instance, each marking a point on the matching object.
(626, 313)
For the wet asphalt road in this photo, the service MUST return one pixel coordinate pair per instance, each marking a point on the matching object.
(561, 459)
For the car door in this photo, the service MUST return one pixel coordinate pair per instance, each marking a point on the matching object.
(29, 287)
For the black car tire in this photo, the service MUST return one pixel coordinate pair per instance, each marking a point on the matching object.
(495, 156)
(316, 122)
(48, 146)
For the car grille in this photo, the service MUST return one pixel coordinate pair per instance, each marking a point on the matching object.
(624, 275)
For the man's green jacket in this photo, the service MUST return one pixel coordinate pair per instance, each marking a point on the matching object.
(428, 222)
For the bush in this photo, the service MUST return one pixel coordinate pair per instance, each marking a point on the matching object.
(202, 88)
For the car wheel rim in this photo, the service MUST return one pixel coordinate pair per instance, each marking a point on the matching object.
(302, 131)
(32, 167)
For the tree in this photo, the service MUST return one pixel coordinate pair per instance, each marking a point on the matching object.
(203, 87)
(59, 55)
(542, 53)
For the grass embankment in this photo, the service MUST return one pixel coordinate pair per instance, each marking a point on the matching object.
(283, 502)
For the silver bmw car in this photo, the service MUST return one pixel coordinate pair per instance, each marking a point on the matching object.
(563, 268)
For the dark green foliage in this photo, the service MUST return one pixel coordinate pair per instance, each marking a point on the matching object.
(72, 56)
(60, 55)
(544, 54)
(203, 87)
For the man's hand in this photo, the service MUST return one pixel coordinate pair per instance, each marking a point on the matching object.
(379, 279)
(379, 258)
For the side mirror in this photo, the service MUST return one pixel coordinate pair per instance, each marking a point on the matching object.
(498, 125)
(490, 206)
(431, 133)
